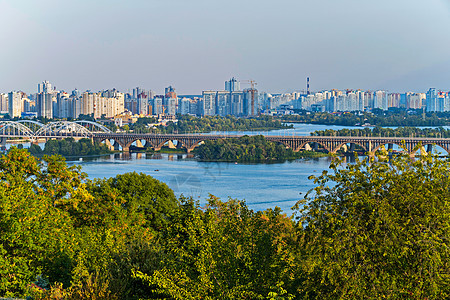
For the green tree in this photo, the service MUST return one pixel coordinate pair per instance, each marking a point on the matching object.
(141, 194)
(36, 237)
(225, 251)
(376, 229)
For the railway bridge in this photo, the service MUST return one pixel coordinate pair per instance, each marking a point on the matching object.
(35, 131)
(329, 144)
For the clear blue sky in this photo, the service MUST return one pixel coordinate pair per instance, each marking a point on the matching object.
(195, 45)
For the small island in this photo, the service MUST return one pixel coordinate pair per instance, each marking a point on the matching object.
(249, 149)
(70, 147)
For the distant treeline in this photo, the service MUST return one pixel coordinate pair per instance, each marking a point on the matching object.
(190, 124)
(70, 147)
(247, 149)
(387, 132)
(377, 117)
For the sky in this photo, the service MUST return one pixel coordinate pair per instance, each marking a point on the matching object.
(196, 45)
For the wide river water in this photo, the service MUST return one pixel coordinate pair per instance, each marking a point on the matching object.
(262, 186)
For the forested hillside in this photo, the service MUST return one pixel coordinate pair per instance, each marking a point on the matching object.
(369, 230)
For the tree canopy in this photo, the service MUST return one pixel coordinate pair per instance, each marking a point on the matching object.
(377, 228)
(70, 147)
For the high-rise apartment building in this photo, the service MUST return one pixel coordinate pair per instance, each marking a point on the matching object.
(142, 103)
(237, 103)
(415, 100)
(3, 103)
(45, 87)
(232, 85)
(251, 103)
(380, 100)
(157, 105)
(171, 106)
(184, 106)
(431, 99)
(208, 106)
(223, 103)
(45, 105)
(169, 92)
(15, 104)
(64, 106)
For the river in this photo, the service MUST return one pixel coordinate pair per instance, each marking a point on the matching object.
(262, 186)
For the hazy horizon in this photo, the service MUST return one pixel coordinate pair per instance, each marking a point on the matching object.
(196, 45)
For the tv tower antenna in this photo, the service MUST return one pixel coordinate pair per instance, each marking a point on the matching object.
(307, 86)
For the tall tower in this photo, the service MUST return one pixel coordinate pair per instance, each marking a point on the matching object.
(232, 85)
(15, 104)
(170, 92)
(45, 87)
(307, 86)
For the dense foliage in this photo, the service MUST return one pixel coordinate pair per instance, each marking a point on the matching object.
(70, 147)
(377, 117)
(369, 230)
(246, 149)
(379, 231)
(387, 132)
(190, 124)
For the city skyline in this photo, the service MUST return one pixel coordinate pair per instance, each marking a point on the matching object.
(241, 85)
(48, 102)
(194, 46)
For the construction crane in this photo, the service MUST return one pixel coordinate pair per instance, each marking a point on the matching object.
(252, 91)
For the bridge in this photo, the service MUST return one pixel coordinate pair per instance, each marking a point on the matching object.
(34, 131)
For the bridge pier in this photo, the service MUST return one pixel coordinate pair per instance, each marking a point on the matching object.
(139, 144)
(316, 147)
(352, 147)
(171, 145)
(108, 144)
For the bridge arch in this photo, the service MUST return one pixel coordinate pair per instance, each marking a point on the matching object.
(33, 125)
(63, 129)
(398, 144)
(11, 128)
(111, 143)
(324, 145)
(302, 145)
(339, 146)
(101, 127)
(179, 141)
(432, 148)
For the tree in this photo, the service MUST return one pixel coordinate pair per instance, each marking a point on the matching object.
(224, 251)
(377, 229)
(35, 235)
(139, 194)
